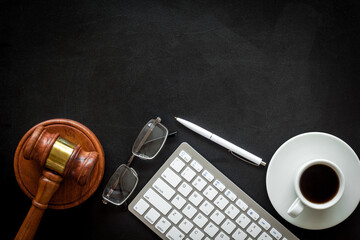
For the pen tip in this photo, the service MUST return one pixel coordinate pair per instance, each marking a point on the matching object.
(175, 118)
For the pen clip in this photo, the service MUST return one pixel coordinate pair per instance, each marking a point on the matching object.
(242, 158)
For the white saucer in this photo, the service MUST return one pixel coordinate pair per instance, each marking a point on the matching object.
(291, 155)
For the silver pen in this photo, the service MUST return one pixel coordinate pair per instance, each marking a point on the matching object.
(235, 150)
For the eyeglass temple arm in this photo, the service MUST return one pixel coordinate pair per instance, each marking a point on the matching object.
(154, 139)
(130, 160)
(172, 134)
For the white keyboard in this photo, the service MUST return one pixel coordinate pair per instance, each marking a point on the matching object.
(188, 198)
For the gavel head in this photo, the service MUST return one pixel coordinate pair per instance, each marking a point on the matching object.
(59, 155)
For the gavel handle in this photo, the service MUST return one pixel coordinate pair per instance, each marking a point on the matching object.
(48, 185)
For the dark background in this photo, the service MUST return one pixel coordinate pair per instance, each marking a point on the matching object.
(256, 73)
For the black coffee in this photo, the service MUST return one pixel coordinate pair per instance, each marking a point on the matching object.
(319, 183)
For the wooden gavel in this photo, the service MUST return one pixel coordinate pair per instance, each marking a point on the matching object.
(59, 159)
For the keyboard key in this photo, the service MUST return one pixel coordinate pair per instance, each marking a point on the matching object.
(196, 166)
(163, 188)
(178, 201)
(239, 234)
(253, 230)
(241, 204)
(141, 206)
(211, 229)
(158, 202)
(243, 220)
(228, 226)
(186, 225)
(175, 234)
(217, 217)
(207, 175)
(189, 211)
(196, 234)
(200, 220)
(275, 233)
(210, 192)
(253, 214)
(171, 177)
(188, 174)
(199, 183)
(185, 189)
(195, 198)
(184, 155)
(222, 236)
(219, 185)
(152, 215)
(206, 207)
(232, 211)
(177, 164)
(264, 224)
(175, 216)
(221, 202)
(162, 225)
(265, 236)
(230, 195)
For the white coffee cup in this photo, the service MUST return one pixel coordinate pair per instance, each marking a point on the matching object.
(304, 172)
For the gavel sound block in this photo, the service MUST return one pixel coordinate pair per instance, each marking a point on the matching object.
(59, 164)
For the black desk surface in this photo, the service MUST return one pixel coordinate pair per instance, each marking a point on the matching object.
(255, 73)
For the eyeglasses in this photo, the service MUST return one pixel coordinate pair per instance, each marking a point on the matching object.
(146, 146)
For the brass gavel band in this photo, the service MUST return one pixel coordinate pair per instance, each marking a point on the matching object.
(59, 155)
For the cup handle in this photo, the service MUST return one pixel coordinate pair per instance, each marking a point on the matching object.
(296, 208)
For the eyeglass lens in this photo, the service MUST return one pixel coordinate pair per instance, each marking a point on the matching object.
(121, 184)
(153, 143)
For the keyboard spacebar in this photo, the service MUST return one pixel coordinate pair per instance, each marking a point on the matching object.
(157, 201)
